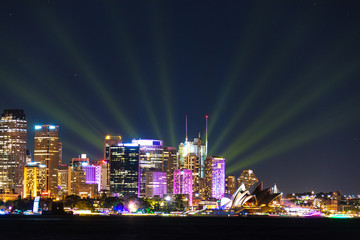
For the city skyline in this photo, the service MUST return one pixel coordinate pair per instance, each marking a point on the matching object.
(279, 82)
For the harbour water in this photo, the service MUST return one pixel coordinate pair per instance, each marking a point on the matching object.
(156, 227)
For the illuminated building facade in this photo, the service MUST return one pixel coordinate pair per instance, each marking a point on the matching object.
(124, 170)
(248, 178)
(169, 165)
(155, 184)
(105, 165)
(214, 177)
(197, 148)
(34, 179)
(63, 180)
(104, 174)
(150, 157)
(183, 183)
(77, 184)
(108, 142)
(230, 185)
(13, 131)
(192, 162)
(93, 175)
(46, 152)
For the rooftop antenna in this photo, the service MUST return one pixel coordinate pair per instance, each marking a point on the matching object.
(206, 136)
(186, 138)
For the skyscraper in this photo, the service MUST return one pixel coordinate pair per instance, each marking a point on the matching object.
(214, 177)
(169, 165)
(13, 131)
(108, 142)
(124, 170)
(183, 183)
(197, 148)
(105, 165)
(104, 175)
(46, 152)
(192, 162)
(150, 157)
(63, 180)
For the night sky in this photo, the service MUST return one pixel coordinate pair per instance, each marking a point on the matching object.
(278, 79)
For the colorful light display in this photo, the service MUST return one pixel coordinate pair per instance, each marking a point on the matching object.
(93, 175)
(150, 157)
(183, 183)
(215, 177)
(218, 178)
(155, 184)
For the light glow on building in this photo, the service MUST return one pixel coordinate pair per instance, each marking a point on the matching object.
(93, 175)
(183, 183)
(155, 184)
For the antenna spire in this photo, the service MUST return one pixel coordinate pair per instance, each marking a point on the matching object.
(206, 136)
(186, 138)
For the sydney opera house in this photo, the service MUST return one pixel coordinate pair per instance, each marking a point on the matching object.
(253, 199)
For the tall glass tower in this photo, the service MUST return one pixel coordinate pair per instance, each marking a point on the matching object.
(46, 152)
(13, 131)
(124, 170)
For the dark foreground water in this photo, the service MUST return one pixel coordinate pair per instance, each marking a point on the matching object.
(126, 227)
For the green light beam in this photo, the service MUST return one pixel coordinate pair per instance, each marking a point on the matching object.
(73, 148)
(74, 55)
(333, 121)
(71, 103)
(21, 89)
(244, 56)
(286, 50)
(252, 135)
(135, 69)
(164, 76)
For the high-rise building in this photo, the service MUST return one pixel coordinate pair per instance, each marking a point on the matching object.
(214, 177)
(192, 162)
(197, 148)
(77, 175)
(124, 170)
(169, 165)
(105, 165)
(63, 180)
(46, 152)
(183, 183)
(34, 179)
(230, 185)
(104, 174)
(150, 157)
(13, 131)
(248, 178)
(155, 184)
(110, 141)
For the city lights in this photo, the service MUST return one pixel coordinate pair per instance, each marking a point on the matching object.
(165, 108)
